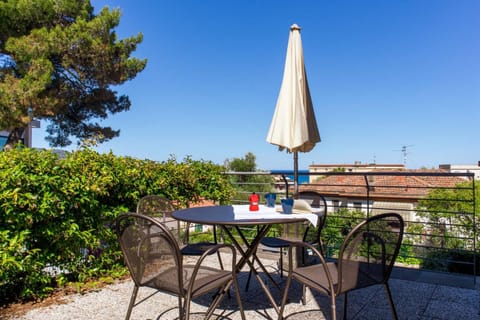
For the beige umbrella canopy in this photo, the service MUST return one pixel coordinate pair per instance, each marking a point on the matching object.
(293, 126)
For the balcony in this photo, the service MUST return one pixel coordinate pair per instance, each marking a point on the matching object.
(439, 210)
(434, 277)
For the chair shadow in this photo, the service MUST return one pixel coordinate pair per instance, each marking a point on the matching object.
(317, 306)
(172, 314)
(359, 305)
(254, 300)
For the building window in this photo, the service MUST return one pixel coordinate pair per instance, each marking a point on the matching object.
(3, 141)
(357, 206)
(336, 205)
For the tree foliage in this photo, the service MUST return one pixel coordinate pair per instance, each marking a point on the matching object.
(60, 62)
(452, 227)
(245, 164)
(337, 226)
(451, 215)
(246, 182)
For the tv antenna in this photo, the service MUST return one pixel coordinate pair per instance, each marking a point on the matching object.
(405, 153)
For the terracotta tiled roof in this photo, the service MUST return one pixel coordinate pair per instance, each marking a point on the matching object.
(356, 165)
(381, 186)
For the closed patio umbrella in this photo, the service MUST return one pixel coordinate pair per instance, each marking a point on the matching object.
(293, 126)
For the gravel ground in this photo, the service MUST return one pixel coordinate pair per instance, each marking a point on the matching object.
(413, 300)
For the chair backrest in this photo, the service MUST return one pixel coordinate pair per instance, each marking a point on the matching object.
(161, 208)
(150, 251)
(155, 206)
(317, 201)
(369, 251)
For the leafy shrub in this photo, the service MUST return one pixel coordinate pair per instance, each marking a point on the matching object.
(337, 226)
(201, 236)
(407, 253)
(458, 261)
(18, 268)
(56, 214)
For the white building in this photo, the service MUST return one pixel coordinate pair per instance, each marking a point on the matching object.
(27, 134)
(355, 167)
(461, 168)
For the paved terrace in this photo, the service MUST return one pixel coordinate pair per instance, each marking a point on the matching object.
(417, 295)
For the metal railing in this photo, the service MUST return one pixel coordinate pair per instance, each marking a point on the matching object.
(439, 210)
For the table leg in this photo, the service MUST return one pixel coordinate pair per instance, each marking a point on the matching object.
(254, 245)
(245, 255)
(251, 252)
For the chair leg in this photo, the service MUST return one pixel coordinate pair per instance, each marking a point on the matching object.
(345, 301)
(281, 262)
(304, 294)
(333, 305)
(220, 260)
(186, 308)
(221, 294)
(285, 297)
(320, 248)
(132, 302)
(239, 299)
(390, 301)
(181, 308)
(218, 297)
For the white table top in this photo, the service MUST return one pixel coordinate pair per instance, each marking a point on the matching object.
(240, 215)
(242, 212)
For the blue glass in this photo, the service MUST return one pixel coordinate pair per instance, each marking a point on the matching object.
(287, 205)
(270, 199)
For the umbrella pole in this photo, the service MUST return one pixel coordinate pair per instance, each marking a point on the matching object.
(295, 174)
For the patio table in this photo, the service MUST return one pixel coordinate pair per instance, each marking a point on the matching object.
(238, 216)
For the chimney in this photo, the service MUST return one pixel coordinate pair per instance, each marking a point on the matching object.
(371, 183)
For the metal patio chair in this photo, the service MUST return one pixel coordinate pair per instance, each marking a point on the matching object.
(154, 260)
(366, 258)
(162, 208)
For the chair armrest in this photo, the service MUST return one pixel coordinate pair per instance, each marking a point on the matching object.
(208, 252)
(300, 244)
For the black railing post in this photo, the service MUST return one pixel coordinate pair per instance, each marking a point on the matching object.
(284, 177)
(474, 233)
(367, 183)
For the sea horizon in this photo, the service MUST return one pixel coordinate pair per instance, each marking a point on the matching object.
(302, 177)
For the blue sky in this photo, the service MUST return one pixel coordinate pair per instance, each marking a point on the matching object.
(382, 75)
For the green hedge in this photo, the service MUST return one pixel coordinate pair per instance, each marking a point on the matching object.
(452, 261)
(56, 214)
